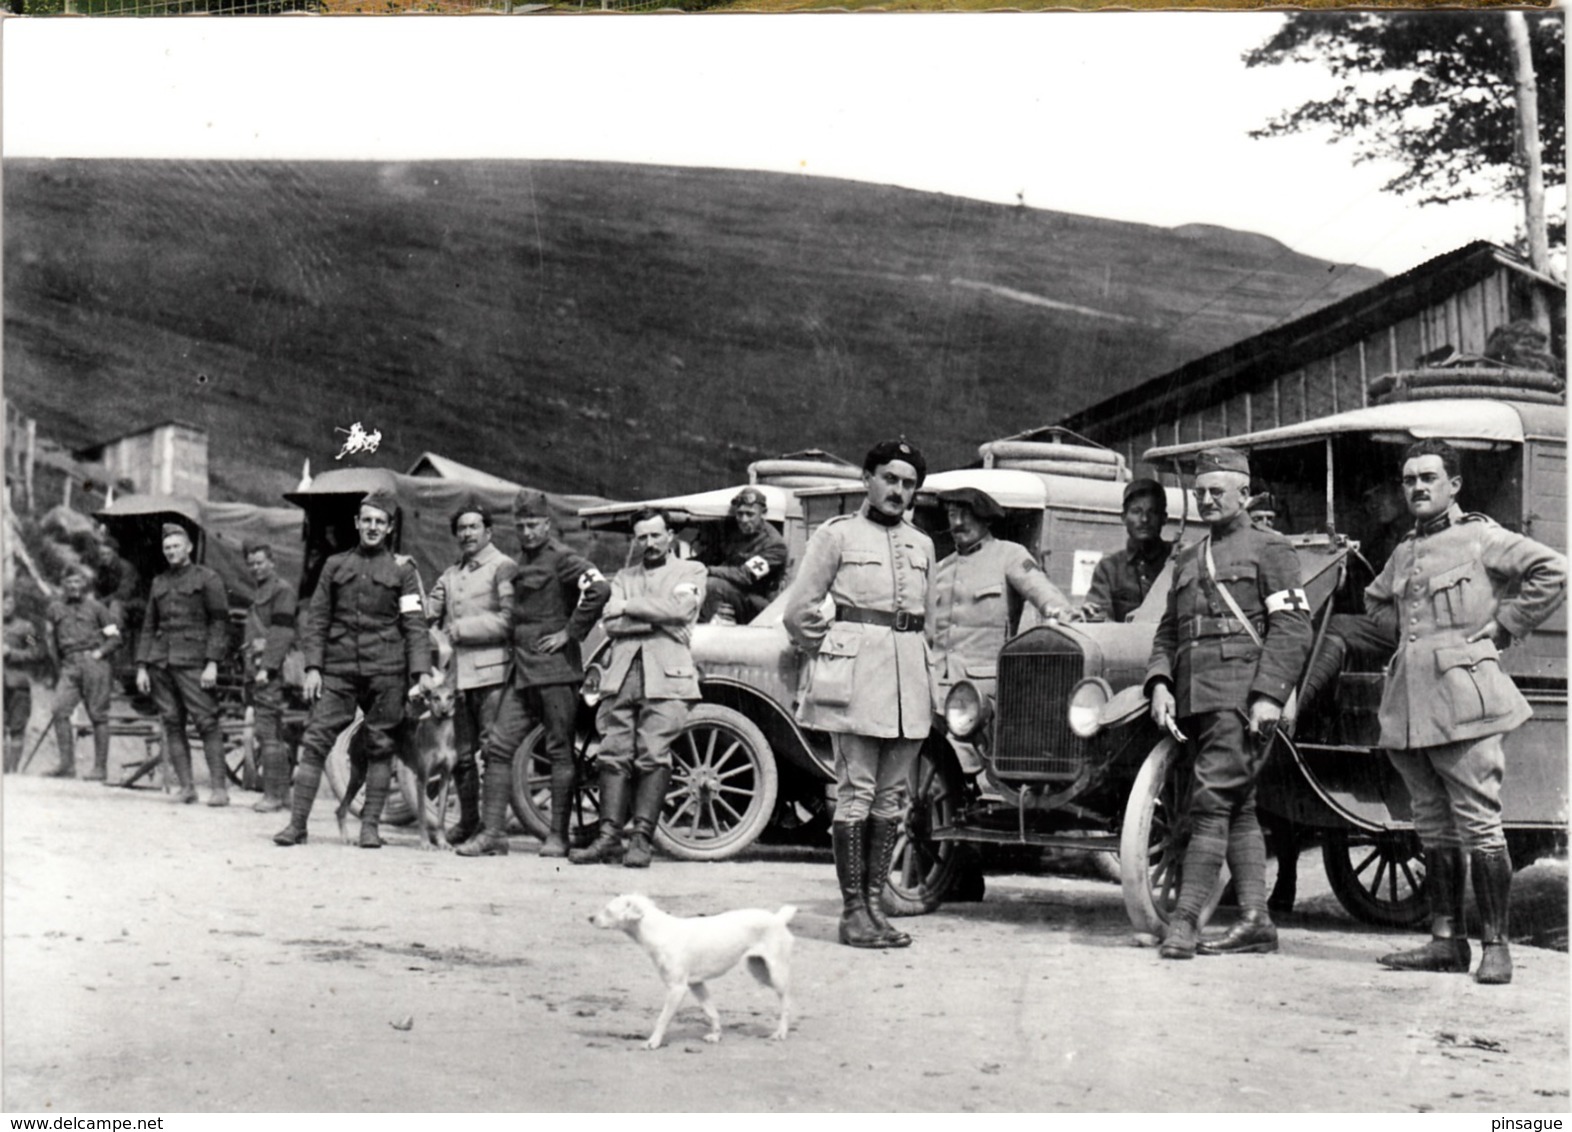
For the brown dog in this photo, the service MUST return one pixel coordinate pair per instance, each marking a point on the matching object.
(426, 747)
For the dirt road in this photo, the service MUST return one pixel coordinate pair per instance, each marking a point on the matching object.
(171, 958)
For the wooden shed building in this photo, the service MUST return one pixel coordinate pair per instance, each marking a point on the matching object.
(1323, 362)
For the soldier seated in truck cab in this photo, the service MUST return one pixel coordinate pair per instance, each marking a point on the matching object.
(746, 559)
(1123, 579)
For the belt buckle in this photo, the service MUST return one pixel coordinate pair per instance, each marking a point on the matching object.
(903, 621)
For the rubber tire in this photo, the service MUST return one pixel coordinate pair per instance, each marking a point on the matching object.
(532, 803)
(819, 469)
(1163, 774)
(951, 870)
(335, 772)
(1472, 393)
(1408, 910)
(1054, 468)
(687, 845)
(1507, 381)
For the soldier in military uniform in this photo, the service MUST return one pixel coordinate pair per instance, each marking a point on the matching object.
(867, 679)
(1454, 593)
(556, 596)
(746, 561)
(1122, 580)
(185, 632)
(23, 651)
(270, 633)
(649, 680)
(471, 603)
(1231, 644)
(365, 639)
(977, 595)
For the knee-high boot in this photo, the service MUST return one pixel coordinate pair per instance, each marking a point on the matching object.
(65, 742)
(1492, 891)
(882, 834)
(1446, 883)
(379, 781)
(308, 777)
(100, 771)
(275, 778)
(647, 802)
(217, 771)
(556, 843)
(851, 865)
(492, 840)
(180, 759)
(607, 847)
(467, 785)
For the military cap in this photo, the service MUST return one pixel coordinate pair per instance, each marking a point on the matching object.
(1141, 487)
(1222, 460)
(383, 500)
(173, 529)
(469, 505)
(1265, 501)
(979, 502)
(749, 495)
(531, 504)
(902, 449)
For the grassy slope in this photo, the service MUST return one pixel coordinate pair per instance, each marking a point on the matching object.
(611, 329)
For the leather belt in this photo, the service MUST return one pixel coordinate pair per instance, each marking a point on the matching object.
(75, 649)
(900, 620)
(1216, 627)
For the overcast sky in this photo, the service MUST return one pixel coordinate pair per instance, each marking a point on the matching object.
(1136, 116)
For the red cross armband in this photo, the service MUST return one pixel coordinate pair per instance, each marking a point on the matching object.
(1288, 601)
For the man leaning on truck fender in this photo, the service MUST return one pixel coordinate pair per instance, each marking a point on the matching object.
(1456, 591)
(867, 676)
(1231, 645)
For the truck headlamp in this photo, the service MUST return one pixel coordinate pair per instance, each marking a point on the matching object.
(1087, 700)
(966, 710)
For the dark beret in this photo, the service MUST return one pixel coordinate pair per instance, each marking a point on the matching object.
(1145, 487)
(886, 450)
(749, 495)
(1222, 460)
(173, 529)
(383, 500)
(980, 503)
(531, 504)
(1262, 502)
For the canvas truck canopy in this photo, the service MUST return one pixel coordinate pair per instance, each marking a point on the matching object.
(701, 506)
(232, 525)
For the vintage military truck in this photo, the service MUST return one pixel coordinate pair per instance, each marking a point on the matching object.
(1069, 755)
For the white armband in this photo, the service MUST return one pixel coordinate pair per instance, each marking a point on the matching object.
(1288, 601)
(410, 603)
(757, 566)
(111, 630)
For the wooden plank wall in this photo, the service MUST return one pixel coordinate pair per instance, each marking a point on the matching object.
(1336, 382)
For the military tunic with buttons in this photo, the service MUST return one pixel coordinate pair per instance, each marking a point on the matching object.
(973, 605)
(75, 631)
(745, 571)
(1438, 587)
(1122, 580)
(187, 619)
(864, 679)
(1201, 648)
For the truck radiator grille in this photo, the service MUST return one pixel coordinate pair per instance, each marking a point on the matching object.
(1033, 739)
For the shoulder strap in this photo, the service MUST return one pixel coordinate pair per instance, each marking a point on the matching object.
(1228, 598)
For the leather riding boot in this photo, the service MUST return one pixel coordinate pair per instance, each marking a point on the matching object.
(647, 801)
(1446, 882)
(562, 783)
(492, 840)
(100, 771)
(882, 834)
(275, 778)
(308, 778)
(13, 752)
(379, 782)
(607, 846)
(65, 742)
(217, 771)
(851, 864)
(1253, 933)
(180, 759)
(1492, 891)
(1180, 939)
(466, 784)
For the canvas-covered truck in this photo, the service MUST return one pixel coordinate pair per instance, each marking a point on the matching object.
(1069, 753)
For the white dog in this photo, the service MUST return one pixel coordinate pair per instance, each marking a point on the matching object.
(689, 950)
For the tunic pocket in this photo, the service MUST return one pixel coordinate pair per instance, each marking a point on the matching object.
(1472, 683)
(1449, 595)
(834, 667)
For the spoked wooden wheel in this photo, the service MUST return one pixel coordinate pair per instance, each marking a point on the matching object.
(336, 771)
(723, 786)
(532, 783)
(1380, 880)
(925, 872)
(1154, 838)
